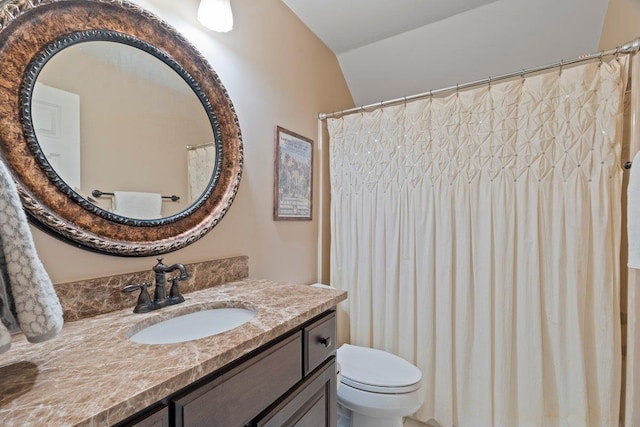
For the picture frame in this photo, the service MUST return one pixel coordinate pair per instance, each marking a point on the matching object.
(293, 176)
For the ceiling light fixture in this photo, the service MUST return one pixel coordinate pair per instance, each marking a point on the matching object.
(216, 15)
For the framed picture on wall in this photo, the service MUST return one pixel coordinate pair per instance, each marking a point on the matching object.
(293, 177)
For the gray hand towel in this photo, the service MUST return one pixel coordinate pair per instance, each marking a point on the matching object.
(26, 292)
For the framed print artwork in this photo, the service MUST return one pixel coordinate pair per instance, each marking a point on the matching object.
(293, 178)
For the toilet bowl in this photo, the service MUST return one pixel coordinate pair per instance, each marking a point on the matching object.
(379, 388)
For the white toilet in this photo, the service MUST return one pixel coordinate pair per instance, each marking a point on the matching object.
(379, 388)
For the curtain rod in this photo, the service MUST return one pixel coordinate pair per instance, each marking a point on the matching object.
(627, 48)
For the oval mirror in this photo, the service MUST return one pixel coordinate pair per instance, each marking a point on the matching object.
(115, 123)
(119, 135)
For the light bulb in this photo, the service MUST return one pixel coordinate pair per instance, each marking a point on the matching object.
(216, 15)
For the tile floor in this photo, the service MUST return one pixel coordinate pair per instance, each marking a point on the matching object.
(344, 420)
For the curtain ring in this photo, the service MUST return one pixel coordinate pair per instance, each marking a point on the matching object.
(561, 65)
(617, 54)
(490, 82)
(457, 88)
(405, 101)
(600, 58)
(522, 76)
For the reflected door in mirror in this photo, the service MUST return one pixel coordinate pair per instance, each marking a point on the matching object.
(56, 117)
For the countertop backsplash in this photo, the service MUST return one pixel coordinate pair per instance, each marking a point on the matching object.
(91, 297)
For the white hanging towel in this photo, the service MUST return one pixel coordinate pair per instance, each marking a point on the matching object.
(633, 213)
(137, 205)
(28, 299)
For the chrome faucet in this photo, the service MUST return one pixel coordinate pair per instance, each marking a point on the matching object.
(160, 298)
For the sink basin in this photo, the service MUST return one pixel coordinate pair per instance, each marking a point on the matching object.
(193, 326)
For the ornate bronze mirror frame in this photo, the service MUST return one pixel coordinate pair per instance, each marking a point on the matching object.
(31, 32)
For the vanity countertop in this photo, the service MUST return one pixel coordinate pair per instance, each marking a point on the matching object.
(92, 375)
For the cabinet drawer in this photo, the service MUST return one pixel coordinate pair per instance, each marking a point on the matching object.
(156, 418)
(319, 342)
(239, 395)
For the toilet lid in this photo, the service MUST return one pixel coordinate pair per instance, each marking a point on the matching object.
(377, 371)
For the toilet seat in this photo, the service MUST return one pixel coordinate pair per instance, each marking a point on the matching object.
(377, 371)
(380, 390)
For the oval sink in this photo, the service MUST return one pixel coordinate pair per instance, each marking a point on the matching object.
(193, 326)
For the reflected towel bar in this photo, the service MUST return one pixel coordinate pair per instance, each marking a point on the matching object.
(98, 193)
(195, 147)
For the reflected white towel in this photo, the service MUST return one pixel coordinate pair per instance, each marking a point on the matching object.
(137, 205)
(28, 292)
(633, 213)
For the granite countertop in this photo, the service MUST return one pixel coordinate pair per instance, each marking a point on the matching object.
(92, 375)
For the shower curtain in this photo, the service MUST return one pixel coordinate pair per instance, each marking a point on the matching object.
(200, 161)
(478, 237)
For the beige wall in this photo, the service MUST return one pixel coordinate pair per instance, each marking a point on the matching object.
(622, 23)
(277, 73)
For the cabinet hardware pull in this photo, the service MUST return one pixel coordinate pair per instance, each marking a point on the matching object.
(325, 340)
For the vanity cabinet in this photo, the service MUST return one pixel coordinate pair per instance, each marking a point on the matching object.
(290, 381)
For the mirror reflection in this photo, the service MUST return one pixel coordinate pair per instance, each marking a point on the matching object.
(113, 118)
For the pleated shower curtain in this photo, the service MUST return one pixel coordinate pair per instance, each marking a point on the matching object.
(478, 236)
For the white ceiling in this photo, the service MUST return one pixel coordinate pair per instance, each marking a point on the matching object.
(390, 49)
(347, 24)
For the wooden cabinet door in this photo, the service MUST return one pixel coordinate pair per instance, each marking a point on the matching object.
(238, 396)
(312, 403)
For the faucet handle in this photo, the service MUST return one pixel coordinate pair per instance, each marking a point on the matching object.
(134, 287)
(174, 292)
(144, 303)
